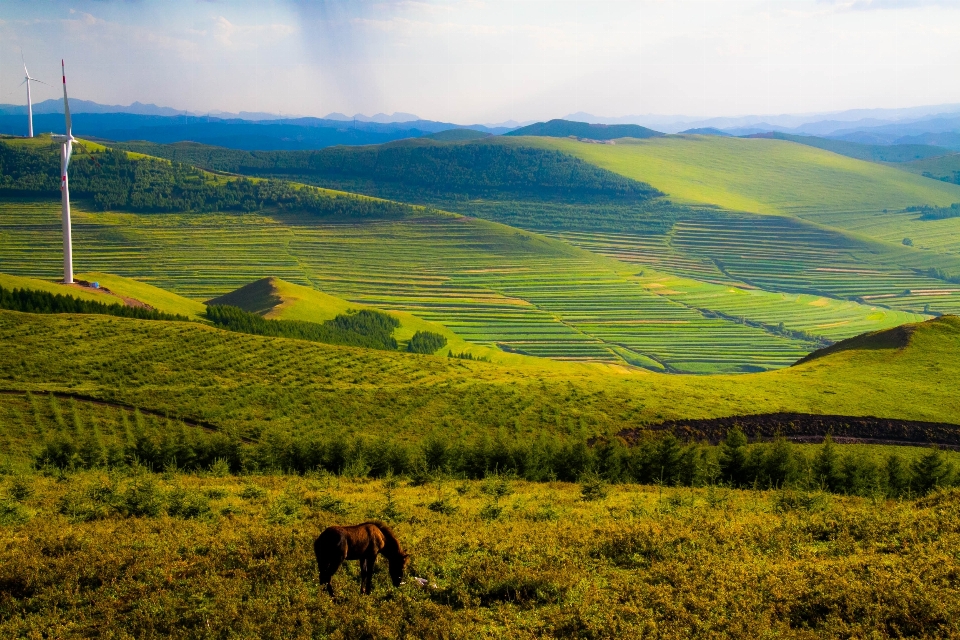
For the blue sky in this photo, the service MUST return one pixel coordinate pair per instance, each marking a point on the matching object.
(488, 61)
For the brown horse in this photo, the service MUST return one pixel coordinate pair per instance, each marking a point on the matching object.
(361, 542)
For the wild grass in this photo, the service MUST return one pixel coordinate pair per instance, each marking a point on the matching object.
(134, 554)
(759, 175)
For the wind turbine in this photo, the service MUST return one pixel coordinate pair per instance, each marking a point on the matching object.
(26, 81)
(66, 149)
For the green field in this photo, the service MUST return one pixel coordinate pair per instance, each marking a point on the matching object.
(488, 283)
(758, 175)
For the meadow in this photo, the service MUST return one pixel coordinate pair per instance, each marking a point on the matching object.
(129, 553)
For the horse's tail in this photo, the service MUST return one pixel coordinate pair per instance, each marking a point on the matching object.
(392, 545)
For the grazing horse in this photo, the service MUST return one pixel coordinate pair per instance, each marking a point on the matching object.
(361, 542)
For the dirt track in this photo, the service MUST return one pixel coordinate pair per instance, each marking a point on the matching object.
(803, 427)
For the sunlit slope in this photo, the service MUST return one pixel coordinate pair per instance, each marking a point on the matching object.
(52, 286)
(114, 290)
(253, 383)
(492, 285)
(759, 175)
(280, 300)
(159, 299)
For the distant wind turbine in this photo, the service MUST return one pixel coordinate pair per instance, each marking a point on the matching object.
(26, 81)
(66, 149)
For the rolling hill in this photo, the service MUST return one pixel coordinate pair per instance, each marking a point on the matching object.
(759, 175)
(258, 385)
(584, 130)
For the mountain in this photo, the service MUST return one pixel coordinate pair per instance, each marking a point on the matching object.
(567, 128)
(869, 152)
(293, 133)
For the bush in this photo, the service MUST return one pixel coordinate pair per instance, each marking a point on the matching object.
(142, 498)
(182, 503)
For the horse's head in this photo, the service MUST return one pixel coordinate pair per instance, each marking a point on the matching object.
(398, 564)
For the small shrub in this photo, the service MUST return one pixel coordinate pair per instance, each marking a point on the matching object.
(215, 493)
(491, 511)
(284, 510)
(21, 489)
(182, 503)
(141, 499)
(253, 492)
(544, 513)
(443, 506)
(12, 513)
(220, 468)
(787, 500)
(593, 487)
(330, 504)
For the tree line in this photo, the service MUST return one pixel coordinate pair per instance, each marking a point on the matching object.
(464, 169)
(928, 212)
(34, 301)
(660, 459)
(364, 328)
(112, 180)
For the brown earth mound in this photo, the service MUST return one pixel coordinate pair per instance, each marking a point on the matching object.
(804, 427)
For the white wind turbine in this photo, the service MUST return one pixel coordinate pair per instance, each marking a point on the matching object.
(26, 81)
(66, 149)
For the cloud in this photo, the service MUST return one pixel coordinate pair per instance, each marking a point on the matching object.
(873, 5)
(229, 34)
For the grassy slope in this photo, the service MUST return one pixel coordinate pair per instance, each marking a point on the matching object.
(280, 300)
(758, 175)
(158, 298)
(251, 383)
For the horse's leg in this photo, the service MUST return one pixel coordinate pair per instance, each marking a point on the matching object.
(371, 562)
(363, 576)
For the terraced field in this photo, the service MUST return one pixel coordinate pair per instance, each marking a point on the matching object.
(785, 255)
(489, 283)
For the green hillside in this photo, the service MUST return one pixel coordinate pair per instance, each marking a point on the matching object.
(253, 384)
(895, 153)
(945, 168)
(567, 128)
(276, 299)
(757, 175)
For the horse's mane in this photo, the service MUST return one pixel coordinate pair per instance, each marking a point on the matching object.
(392, 546)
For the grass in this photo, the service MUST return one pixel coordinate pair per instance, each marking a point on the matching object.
(759, 175)
(629, 562)
(253, 385)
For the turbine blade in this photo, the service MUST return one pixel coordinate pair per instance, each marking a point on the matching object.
(66, 105)
(40, 81)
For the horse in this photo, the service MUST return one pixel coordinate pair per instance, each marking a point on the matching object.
(361, 542)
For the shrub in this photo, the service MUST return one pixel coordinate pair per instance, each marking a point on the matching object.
(142, 498)
(20, 489)
(182, 503)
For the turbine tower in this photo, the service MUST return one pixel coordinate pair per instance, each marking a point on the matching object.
(66, 149)
(26, 81)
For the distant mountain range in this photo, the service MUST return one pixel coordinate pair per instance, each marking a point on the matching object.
(930, 125)
(247, 131)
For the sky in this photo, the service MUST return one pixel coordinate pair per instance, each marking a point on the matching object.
(485, 61)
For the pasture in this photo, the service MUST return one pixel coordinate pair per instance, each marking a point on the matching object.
(759, 175)
(128, 553)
